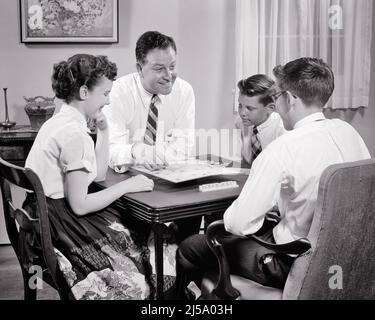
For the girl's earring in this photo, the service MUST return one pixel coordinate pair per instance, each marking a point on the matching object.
(83, 92)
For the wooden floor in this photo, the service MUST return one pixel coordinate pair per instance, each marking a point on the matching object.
(11, 282)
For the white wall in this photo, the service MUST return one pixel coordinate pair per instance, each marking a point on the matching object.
(206, 36)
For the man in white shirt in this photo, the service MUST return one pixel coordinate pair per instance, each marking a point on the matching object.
(154, 93)
(285, 174)
(258, 123)
(151, 115)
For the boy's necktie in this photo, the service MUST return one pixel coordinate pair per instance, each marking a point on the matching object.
(256, 147)
(152, 123)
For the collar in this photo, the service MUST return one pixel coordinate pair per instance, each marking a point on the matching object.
(266, 123)
(309, 119)
(144, 94)
(78, 116)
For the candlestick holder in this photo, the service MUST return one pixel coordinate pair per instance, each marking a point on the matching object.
(7, 124)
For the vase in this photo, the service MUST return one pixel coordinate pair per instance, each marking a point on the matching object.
(39, 109)
(7, 124)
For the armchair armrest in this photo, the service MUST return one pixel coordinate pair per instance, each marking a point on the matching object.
(224, 288)
(298, 246)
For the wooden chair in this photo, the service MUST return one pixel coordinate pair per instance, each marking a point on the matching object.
(17, 219)
(341, 261)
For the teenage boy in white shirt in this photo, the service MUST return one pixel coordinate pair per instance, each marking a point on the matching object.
(258, 123)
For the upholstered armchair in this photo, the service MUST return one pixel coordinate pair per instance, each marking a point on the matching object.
(340, 264)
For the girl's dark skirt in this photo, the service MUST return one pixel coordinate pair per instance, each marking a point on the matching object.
(102, 255)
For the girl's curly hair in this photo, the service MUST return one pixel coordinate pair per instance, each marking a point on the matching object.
(80, 69)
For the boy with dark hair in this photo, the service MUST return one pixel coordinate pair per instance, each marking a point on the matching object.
(257, 121)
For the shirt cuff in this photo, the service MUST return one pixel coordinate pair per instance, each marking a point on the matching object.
(78, 165)
(121, 158)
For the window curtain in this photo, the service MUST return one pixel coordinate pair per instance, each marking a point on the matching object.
(274, 32)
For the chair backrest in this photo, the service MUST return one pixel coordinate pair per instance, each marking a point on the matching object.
(28, 180)
(341, 264)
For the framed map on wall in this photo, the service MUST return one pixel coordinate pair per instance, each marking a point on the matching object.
(64, 21)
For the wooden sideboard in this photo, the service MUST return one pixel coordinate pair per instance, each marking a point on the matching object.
(15, 143)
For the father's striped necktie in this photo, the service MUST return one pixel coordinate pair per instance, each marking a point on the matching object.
(152, 123)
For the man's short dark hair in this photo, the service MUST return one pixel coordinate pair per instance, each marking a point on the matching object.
(258, 85)
(310, 79)
(151, 40)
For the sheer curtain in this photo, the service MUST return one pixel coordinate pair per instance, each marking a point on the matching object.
(274, 32)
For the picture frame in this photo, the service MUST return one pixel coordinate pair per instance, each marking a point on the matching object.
(69, 21)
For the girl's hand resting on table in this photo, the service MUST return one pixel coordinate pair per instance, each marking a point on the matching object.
(140, 183)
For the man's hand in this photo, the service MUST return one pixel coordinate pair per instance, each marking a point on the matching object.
(151, 157)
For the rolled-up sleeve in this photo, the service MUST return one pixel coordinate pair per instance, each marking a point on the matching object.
(73, 156)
